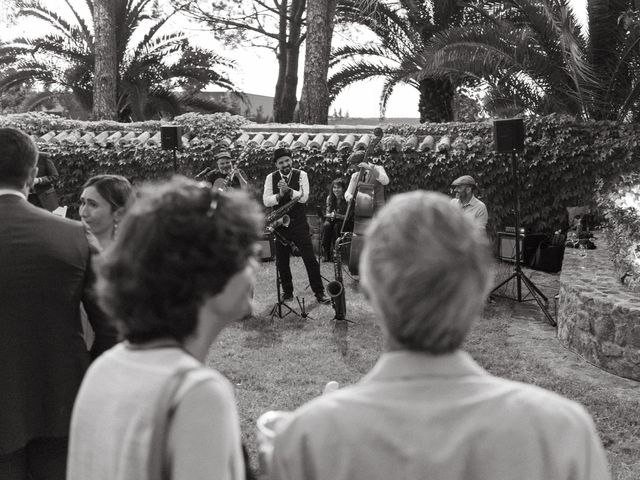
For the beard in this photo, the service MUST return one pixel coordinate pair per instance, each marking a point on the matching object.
(285, 170)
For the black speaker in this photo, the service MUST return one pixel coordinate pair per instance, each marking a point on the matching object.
(508, 135)
(171, 136)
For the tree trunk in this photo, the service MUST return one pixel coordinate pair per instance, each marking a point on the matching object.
(605, 39)
(436, 100)
(285, 100)
(105, 82)
(314, 101)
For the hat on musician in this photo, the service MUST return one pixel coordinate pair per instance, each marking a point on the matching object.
(222, 154)
(281, 152)
(464, 180)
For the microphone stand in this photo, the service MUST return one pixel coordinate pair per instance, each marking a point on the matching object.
(277, 308)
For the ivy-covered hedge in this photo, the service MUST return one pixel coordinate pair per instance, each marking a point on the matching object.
(560, 166)
(619, 199)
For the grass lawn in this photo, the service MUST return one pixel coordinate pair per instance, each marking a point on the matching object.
(280, 364)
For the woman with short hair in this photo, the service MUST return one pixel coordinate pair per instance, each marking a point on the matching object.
(180, 270)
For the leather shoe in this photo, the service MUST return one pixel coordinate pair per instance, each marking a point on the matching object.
(322, 299)
(287, 297)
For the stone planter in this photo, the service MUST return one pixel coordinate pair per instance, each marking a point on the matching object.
(598, 317)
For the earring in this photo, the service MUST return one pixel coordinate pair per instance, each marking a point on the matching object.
(115, 227)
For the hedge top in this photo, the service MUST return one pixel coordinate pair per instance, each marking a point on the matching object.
(321, 141)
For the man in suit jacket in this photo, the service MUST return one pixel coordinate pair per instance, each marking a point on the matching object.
(44, 275)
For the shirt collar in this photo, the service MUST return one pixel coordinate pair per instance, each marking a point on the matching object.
(11, 191)
(472, 201)
(403, 364)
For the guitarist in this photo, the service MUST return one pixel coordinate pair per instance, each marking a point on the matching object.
(336, 208)
(374, 174)
(217, 176)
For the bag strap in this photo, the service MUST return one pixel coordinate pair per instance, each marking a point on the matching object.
(162, 415)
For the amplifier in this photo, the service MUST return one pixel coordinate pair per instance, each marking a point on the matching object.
(528, 245)
(507, 246)
(267, 248)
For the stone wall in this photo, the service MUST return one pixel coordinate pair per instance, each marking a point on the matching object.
(598, 317)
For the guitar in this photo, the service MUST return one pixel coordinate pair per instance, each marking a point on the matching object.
(223, 184)
(335, 215)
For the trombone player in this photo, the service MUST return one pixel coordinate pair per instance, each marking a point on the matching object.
(288, 189)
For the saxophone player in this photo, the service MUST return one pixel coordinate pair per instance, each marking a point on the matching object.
(280, 188)
(225, 176)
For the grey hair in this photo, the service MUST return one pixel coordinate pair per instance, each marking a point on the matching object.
(426, 268)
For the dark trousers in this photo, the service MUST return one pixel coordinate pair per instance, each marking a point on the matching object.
(301, 238)
(42, 459)
(330, 233)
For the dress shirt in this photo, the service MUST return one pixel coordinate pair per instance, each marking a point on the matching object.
(417, 416)
(269, 198)
(10, 191)
(380, 175)
(474, 209)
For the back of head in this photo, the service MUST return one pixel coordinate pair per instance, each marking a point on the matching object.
(427, 270)
(18, 156)
(178, 244)
(115, 189)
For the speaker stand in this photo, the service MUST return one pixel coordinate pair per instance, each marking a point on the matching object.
(518, 275)
(175, 160)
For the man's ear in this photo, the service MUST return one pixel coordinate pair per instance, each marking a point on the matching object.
(33, 173)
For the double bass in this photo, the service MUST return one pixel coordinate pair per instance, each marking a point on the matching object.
(363, 204)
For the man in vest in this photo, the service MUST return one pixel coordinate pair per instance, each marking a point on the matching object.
(373, 174)
(281, 187)
(464, 187)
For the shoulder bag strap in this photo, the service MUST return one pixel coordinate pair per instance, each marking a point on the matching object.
(162, 414)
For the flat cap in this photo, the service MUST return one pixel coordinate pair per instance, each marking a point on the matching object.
(464, 180)
(281, 152)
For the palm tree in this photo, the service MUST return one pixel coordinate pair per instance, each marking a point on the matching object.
(158, 74)
(531, 55)
(403, 29)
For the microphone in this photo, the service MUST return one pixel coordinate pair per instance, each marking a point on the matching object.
(202, 173)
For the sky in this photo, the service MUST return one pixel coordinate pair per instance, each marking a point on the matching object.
(257, 71)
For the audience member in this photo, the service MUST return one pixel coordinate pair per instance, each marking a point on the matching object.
(44, 271)
(464, 188)
(103, 202)
(427, 410)
(43, 193)
(335, 210)
(180, 270)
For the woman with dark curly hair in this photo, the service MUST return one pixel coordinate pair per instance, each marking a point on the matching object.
(180, 270)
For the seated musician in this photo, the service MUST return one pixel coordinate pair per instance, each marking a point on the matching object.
(336, 208)
(373, 174)
(225, 176)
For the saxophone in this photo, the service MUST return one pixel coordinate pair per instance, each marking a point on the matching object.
(279, 217)
(335, 289)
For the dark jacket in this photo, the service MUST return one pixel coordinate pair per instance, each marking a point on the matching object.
(44, 194)
(44, 275)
